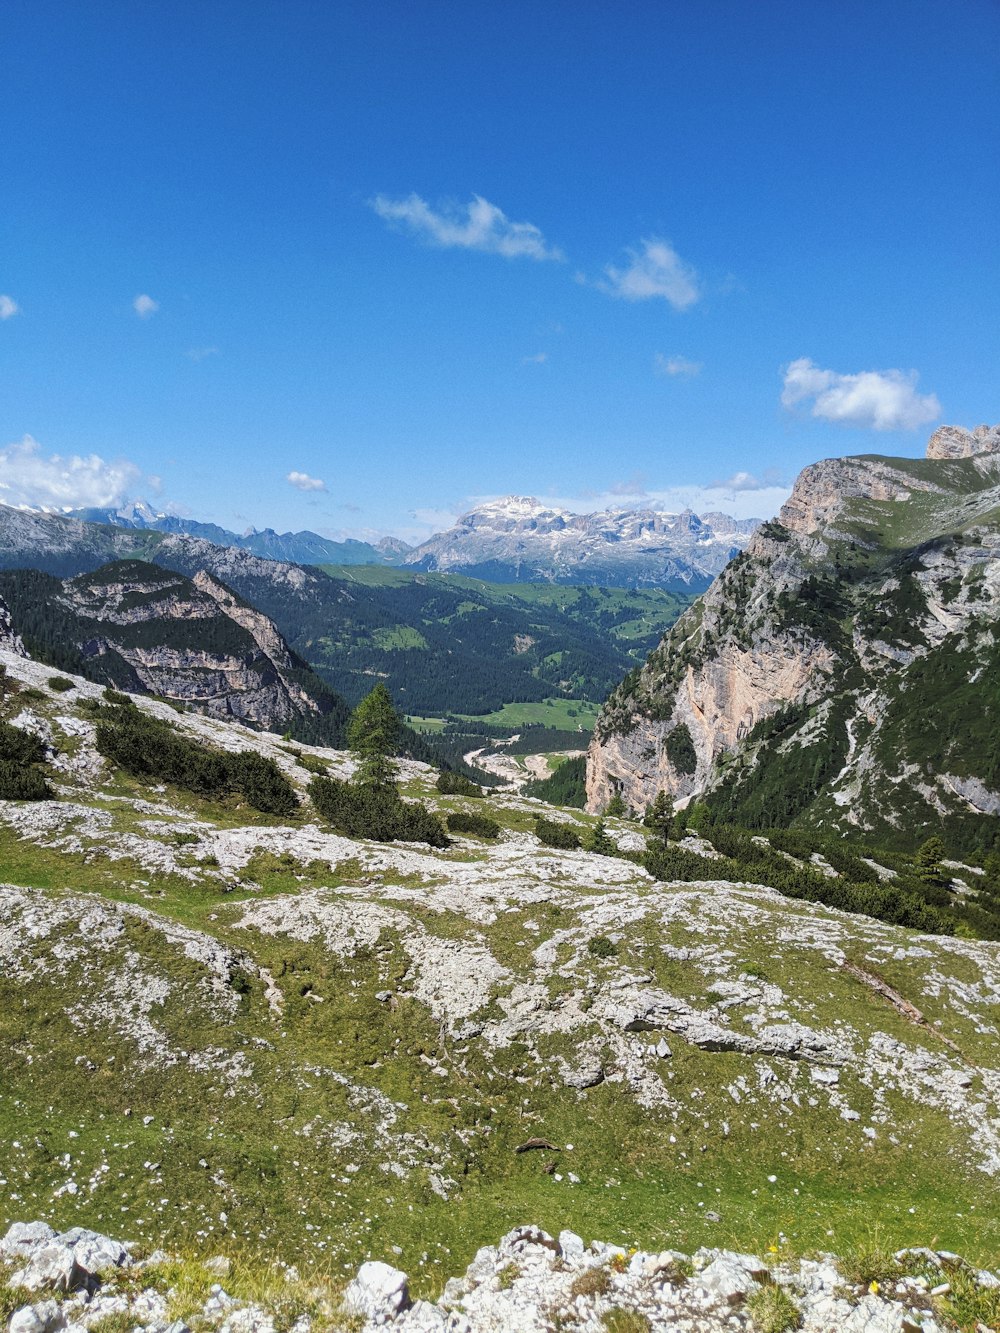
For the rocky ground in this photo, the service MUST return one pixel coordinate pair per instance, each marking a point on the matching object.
(222, 1029)
(80, 1281)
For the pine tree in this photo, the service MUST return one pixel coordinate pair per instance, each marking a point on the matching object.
(600, 841)
(373, 734)
(660, 817)
(929, 857)
(616, 806)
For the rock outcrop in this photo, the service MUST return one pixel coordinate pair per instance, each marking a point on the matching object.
(957, 442)
(798, 673)
(10, 640)
(142, 628)
(527, 1283)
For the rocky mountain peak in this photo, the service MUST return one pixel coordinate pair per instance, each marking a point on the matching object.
(842, 653)
(957, 442)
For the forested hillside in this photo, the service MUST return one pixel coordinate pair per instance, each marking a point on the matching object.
(442, 643)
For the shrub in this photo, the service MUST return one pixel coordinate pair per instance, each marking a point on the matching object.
(19, 752)
(368, 811)
(60, 684)
(20, 747)
(772, 1310)
(153, 751)
(480, 826)
(601, 947)
(22, 784)
(551, 834)
(262, 783)
(601, 842)
(456, 784)
(680, 749)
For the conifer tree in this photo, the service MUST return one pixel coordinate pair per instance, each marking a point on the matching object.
(373, 734)
(601, 842)
(929, 857)
(660, 817)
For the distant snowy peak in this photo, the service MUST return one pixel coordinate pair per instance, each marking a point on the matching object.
(518, 538)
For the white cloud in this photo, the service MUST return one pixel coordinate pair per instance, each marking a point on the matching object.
(144, 306)
(539, 359)
(27, 478)
(8, 307)
(676, 365)
(303, 482)
(200, 353)
(634, 486)
(873, 399)
(480, 225)
(654, 270)
(744, 481)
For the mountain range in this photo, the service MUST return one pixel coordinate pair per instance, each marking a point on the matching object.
(442, 642)
(512, 540)
(844, 670)
(305, 547)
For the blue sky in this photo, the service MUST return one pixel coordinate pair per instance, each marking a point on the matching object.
(240, 242)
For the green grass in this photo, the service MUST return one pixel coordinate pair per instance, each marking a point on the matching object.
(564, 714)
(340, 1085)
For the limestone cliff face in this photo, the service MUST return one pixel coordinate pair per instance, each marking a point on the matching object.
(957, 442)
(191, 640)
(10, 640)
(788, 685)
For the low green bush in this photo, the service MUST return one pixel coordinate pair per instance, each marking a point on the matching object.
(60, 684)
(153, 751)
(560, 836)
(22, 784)
(378, 812)
(19, 779)
(457, 784)
(480, 826)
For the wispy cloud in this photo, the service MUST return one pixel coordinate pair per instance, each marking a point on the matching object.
(29, 478)
(746, 481)
(8, 307)
(303, 482)
(200, 353)
(654, 271)
(539, 359)
(144, 305)
(741, 496)
(633, 486)
(873, 399)
(676, 365)
(478, 225)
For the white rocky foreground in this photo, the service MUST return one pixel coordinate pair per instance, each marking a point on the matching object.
(75, 1280)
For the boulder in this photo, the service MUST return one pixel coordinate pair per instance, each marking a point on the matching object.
(23, 1238)
(71, 1261)
(379, 1292)
(45, 1317)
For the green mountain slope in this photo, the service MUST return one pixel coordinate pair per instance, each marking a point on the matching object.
(224, 1028)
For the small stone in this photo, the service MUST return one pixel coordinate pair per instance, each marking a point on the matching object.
(570, 1243)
